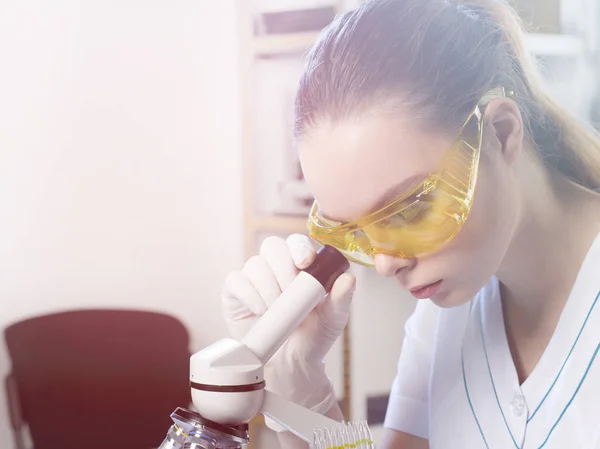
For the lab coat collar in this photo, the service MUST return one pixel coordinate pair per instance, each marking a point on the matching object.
(504, 410)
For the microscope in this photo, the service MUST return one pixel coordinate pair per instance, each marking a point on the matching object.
(227, 382)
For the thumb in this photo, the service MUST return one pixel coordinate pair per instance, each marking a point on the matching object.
(301, 250)
(335, 309)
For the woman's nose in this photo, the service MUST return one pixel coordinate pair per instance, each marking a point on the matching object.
(389, 266)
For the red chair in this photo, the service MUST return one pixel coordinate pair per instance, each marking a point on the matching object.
(97, 379)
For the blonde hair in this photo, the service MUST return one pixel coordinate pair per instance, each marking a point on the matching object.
(434, 59)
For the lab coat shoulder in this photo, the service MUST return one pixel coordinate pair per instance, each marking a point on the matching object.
(431, 341)
(409, 397)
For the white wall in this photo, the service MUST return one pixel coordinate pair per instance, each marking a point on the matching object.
(119, 160)
(120, 172)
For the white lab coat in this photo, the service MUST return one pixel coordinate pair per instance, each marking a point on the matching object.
(457, 385)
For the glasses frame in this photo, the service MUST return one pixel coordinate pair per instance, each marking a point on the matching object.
(322, 229)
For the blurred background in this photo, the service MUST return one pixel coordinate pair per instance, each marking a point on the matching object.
(134, 143)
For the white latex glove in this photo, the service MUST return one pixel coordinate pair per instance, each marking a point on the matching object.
(297, 370)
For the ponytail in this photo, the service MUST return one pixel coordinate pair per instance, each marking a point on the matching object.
(561, 141)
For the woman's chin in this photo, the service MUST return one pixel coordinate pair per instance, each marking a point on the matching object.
(450, 298)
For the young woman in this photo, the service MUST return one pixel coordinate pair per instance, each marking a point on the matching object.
(436, 157)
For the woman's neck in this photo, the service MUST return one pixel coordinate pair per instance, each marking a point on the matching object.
(559, 221)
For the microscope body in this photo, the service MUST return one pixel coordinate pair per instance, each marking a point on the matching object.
(227, 385)
(227, 381)
(227, 377)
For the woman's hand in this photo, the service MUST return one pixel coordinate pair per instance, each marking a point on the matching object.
(297, 370)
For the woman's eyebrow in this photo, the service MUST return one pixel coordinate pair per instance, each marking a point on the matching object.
(389, 195)
(397, 189)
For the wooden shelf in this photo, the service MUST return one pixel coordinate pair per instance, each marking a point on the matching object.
(284, 224)
(251, 48)
(283, 43)
(537, 43)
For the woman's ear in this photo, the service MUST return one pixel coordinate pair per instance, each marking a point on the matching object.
(505, 123)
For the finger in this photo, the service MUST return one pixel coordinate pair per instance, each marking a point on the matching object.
(238, 318)
(301, 249)
(262, 278)
(240, 298)
(334, 310)
(276, 254)
(343, 288)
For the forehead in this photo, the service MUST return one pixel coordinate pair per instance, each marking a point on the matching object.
(350, 165)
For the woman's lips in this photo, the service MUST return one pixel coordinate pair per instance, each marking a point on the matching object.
(426, 291)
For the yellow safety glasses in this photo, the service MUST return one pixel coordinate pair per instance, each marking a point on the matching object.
(426, 217)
